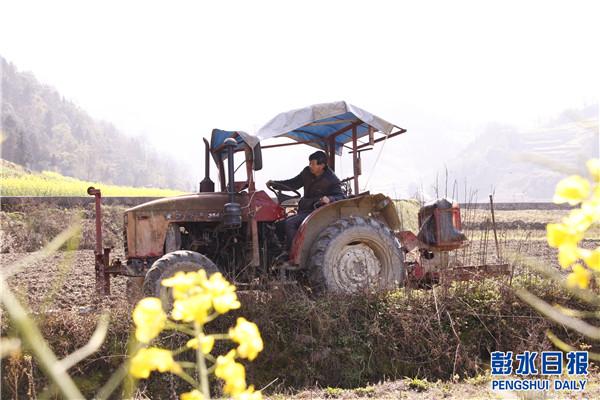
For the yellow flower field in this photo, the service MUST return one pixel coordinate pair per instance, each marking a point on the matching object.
(18, 182)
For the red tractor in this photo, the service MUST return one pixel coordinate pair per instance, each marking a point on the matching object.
(348, 246)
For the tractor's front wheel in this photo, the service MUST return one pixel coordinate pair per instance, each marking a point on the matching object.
(356, 254)
(167, 266)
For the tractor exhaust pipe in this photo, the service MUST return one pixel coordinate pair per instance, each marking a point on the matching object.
(232, 214)
(207, 185)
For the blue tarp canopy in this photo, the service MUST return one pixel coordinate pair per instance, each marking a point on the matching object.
(219, 136)
(314, 125)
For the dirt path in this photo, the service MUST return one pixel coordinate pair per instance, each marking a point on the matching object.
(416, 389)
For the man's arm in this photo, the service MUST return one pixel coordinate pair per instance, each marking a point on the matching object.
(334, 193)
(294, 183)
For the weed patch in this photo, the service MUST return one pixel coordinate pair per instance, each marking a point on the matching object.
(341, 342)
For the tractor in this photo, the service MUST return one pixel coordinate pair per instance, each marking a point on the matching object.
(348, 246)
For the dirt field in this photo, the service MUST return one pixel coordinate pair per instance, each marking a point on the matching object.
(65, 280)
(64, 283)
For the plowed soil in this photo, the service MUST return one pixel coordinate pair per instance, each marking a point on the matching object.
(61, 281)
(65, 280)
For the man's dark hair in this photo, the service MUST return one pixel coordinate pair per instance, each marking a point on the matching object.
(319, 156)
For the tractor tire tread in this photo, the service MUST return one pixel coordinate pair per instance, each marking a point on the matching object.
(167, 266)
(317, 253)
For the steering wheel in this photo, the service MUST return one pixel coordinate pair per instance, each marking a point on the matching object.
(278, 188)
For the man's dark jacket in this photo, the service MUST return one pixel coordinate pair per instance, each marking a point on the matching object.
(315, 187)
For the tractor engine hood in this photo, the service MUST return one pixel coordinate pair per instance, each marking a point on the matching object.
(188, 203)
(146, 225)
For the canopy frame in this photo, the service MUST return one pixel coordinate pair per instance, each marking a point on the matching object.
(313, 126)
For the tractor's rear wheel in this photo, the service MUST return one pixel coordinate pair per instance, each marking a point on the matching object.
(356, 254)
(167, 266)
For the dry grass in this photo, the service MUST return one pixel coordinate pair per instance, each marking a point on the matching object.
(31, 228)
(340, 342)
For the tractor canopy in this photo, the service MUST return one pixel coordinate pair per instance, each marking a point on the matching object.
(330, 127)
(219, 136)
(326, 126)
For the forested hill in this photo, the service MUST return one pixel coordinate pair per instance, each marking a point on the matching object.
(43, 131)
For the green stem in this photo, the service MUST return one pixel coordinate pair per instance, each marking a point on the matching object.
(187, 378)
(221, 336)
(210, 358)
(113, 382)
(179, 327)
(211, 317)
(35, 342)
(187, 364)
(130, 383)
(180, 350)
(202, 372)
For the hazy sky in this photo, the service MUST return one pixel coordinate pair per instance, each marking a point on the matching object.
(175, 70)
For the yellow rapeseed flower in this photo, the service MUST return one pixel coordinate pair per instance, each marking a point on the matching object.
(152, 359)
(567, 255)
(591, 208)
(591, 258)
(206, 343)
(222, 292)
(235, 383)
(233, 373)
(572, 190)
(226, 302)
(149, 319)
(580, 277)
(193, 395)
(593, 166)
(561, 234)
(194, 308)
(579, 219)
(185, 284)
(248, 394)
(246, 334)
(192, 284)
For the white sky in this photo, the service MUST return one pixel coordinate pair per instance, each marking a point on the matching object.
(174, 70)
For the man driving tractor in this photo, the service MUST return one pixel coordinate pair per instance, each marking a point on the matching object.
(321, 187)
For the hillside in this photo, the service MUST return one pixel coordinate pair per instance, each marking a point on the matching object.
(526, 165)
(43, 131)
